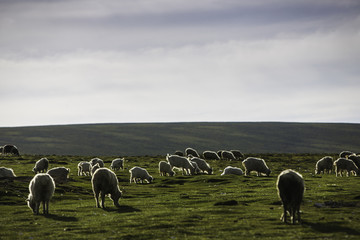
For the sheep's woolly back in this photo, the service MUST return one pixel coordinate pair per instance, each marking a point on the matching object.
(232, 170)
(94, 161)
(323, 164)
(191, 151)
(256, 164)
(7, 172)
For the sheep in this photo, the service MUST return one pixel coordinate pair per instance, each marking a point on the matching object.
(41, 165)
(345, 164)
(290, 186)
(94, 168)
(195, 165)
(84, 168)
(211, 155)
(141, 174)
(203, 165)
(6, 172)
(255, 164)
(104, 181)
(9, 149)
(191, 151)
(165, 169)
(356, 159)
(179, 153)
(227, 155)
(41, 188)
(59, 174)
(95, 161)
(325, 163)
(345, 154)
(232, 170)
(117, 163)
(182, 163)
(237, 154)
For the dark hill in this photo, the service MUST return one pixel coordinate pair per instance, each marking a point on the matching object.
(160, 138)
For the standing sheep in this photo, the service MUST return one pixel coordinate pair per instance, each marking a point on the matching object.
(290, 185)
(227, 155)
(191, 151)
(203, 165)
(347, 165)
(141, 174)
(6, 172)
(356, 159)
(41, 188)
(255, 164)
(182, 163)
(94, 161)
(84, 168)
(117, 163)
(9, 149)
(165, 169)
(59, 174)
(326, 163)
(41, 165)
(237, 154)
(211, 155)
(104, 181)
(232, 170)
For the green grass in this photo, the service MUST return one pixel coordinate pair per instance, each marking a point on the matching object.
(182, 207)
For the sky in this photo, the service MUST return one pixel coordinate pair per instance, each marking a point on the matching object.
(87, 61)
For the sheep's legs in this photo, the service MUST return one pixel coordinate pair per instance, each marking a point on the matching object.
(96, 195)
(102, 199)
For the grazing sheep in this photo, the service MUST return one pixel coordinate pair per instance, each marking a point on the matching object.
(290, 186)
(84, 168)
(255, 164)
(165, 169)
(203, 165)
(59, 174)
(191, 151)
(326, 163)
(356, 159)
(219, 153)
(232, 170)
(117, 163)
(227, 155)
(9, 149)
(41, 165)
(179, 153)
(41, 188)
(345, 154)
(94, 161)
(140, 174)
(94, 168)
(195, 165)
(211, 155)
(104, 181)
(6, 172)
(347, 165)
(181, 163)
(237, 154)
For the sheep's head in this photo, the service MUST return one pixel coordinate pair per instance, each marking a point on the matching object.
(30, 202)
(115, 197)
(268, 171)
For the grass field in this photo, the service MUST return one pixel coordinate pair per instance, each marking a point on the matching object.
(182, 207)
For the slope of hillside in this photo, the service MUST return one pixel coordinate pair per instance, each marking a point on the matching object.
(135, 139)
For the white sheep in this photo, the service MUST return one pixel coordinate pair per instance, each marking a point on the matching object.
(191, 151)
(94, 161)
(84, 168)
(347, 165)
(203, 165)
(41, 188)
(290, 185)
(6, 172)
(104, 181)
(94, 168)
(255, 164)
(182, 163)
(117, 163)
(232, 170)
(227, 155)
(165, 169)
(140, 174)
(59, 174)
(211, 155)
(41, 165)
(324, 164)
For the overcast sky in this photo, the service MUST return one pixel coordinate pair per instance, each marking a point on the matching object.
(84, 61)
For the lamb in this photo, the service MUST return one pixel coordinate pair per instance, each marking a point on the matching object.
(104, 181)
(326, 163)
(7, 172)
(41, 188)
(227, 155)
(191, 151)
(41, 165)
(140, 174)
(203, 165)
(94, 161)
(59, 174)
(211, 155)
(182, 163)
(84, 168)
(255, 164)
(165, 169)
(345, 164)
(232, 170)
(117, 163)
(290, 185)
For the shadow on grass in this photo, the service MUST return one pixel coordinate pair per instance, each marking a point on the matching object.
(122, 209)
(331, 227)
(61, 218)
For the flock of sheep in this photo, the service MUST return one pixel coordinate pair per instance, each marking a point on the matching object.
(290, 184)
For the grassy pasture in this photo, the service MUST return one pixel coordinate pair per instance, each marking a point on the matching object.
(182, 207)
